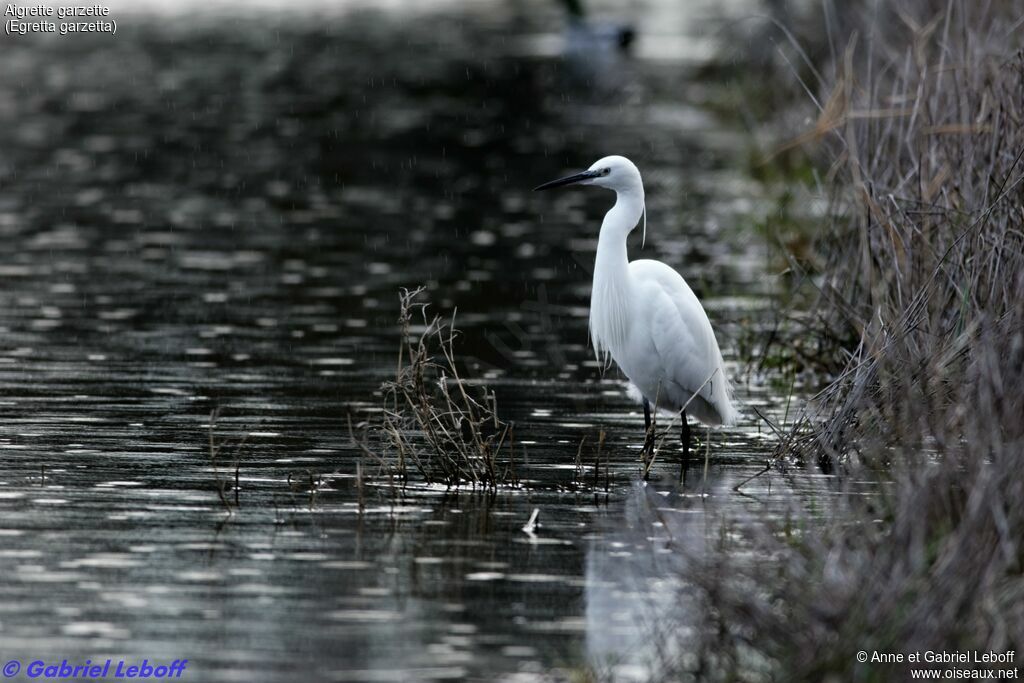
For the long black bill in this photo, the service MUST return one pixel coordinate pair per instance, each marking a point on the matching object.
(568, 180)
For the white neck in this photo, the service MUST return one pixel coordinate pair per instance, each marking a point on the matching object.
(609, 297)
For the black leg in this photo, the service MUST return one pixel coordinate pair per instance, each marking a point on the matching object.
(648, 448)
(686, 445)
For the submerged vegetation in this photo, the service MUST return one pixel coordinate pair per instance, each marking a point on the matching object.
(920, 312)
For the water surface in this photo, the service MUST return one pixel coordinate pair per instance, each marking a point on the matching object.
(204, 217)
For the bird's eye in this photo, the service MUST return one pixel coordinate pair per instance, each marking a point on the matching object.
(605, 171)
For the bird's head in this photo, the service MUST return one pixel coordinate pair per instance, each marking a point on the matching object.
(614, 172)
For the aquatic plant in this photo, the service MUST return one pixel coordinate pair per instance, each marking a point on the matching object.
(433, 422)
(232, 451)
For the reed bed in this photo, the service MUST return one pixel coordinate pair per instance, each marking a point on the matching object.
(919, 142)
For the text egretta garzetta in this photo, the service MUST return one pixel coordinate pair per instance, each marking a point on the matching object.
(646, 318)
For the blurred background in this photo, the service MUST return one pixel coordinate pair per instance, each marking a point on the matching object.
(205, 222)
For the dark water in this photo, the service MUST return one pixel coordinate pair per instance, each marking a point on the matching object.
(203, 215)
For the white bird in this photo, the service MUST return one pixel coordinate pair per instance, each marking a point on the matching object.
(646, 318)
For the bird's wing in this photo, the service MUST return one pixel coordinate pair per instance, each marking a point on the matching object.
(680, 330)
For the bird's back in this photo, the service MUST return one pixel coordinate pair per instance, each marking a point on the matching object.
(672, 328)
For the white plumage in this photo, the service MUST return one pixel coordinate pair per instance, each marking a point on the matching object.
(645, 317)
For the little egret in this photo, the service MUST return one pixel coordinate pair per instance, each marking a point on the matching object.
(645, 317)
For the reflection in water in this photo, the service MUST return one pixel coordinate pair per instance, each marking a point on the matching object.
(632, 580)
(640, 611)
(205, 216)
